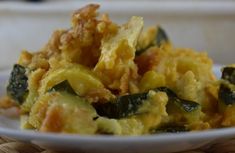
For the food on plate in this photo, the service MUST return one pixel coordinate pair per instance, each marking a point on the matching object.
(98, 77)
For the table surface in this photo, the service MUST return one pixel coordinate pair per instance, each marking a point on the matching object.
(8, 145)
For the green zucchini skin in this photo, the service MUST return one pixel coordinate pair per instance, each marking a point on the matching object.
(160, 38)
(170, 128)
(17, 87)
(226, 95)
(229, 74)
(121, 107)
(63, 86)
(128, 105)
(184, 105)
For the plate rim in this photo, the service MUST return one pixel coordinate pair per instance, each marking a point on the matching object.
(193, 135)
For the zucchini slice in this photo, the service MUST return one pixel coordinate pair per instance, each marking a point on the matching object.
(226, 94)
(121, 107)
(171, 128)
(63, 86)
(63, 112)
(128, 105)
(81, 79)
(160, 39)
(17, 87)
(184, 105)
(229, 74)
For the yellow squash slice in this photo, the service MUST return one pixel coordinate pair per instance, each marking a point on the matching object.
(81, 79)
(116, 66)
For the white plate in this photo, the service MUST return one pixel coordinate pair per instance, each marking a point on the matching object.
(161, 143)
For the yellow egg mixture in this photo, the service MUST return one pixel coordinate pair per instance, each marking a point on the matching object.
(98, 77)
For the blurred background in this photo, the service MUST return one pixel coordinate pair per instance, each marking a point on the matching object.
(205, 25)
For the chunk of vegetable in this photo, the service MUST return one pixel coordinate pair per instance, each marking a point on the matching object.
(181, 109)
(229, 74)
(116, 67)
(184, 105)
(63, 112)
(17, 86)
(81, 79)
(226, 93)
(121, 107)
(160, 39)
(63, 86)
(170, 129)
(128, 105)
